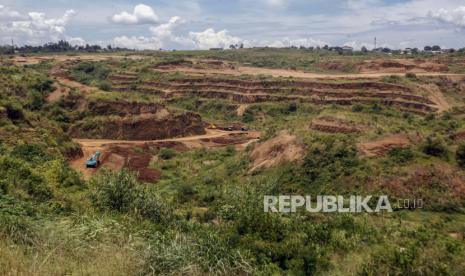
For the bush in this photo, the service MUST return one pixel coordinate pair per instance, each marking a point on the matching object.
(17, 174)
(392, 78)
(166, 153)
(248, 116)
(201, 253)
(31, 153)
(86, 72)
(357, 108)
(36, 101)
(411, 76)
(434, 146)
(105, 86)
(15, 220)
(122, 192)
(292, 107)
(460, 155)
(328, 159)
(401, 155)
(14, 111)
(115, 191)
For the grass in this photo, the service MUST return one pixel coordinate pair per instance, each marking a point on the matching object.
(205, 215)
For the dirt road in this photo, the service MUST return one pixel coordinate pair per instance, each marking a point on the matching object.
(244, 70)
(115, 161)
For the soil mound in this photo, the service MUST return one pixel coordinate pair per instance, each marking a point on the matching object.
(383, 146)
(402, 66)
(281, 149)
(123, 108)
(141, 127)
(334, 125)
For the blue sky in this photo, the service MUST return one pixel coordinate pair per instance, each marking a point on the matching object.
(200, 24)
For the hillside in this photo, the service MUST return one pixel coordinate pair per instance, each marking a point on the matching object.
(192, 141)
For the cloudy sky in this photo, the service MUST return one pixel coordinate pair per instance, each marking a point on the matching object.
(202, 24)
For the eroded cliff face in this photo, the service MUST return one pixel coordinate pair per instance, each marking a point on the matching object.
(135, 121)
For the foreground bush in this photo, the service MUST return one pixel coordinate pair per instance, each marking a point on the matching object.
(121, 192)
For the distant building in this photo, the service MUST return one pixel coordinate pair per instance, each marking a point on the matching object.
(407, 51)
(347, 50)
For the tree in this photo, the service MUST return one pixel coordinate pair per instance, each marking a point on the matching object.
(436, 48)
(364, 50)
(428, 48)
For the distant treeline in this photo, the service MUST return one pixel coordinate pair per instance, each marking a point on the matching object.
(60, 46)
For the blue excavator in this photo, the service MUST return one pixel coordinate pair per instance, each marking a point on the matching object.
(94, 160)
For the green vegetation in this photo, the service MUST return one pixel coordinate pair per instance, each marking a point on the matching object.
(92, 73)
(204, 216)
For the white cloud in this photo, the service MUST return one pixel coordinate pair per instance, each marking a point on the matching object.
(454, 16)
(79, 41)
(8, 14)
(166, 29)
(288, 42)
(362, 4)
(142, 14)
(139, 42)
(33, 28)
(211, 39)
(162, 36)
(276, 3)
(167, 35)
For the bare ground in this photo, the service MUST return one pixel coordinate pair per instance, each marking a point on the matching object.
(246, 70)
(113, 157)
(283, 148)
(383, 146)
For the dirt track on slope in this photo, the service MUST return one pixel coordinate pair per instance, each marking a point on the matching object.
(245, 70)
(117, 154)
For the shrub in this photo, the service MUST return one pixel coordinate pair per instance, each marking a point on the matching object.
(105, 86)
(15, 220)
(401, 155)
(434, 146)
(31, 153)
(200, 253)
(166, 153)
(14, 111)
(17, 174)
(411, 76)
(86, 72)
(121, 192)
(36, 101)
(185, 192)
(248, 116)
(292, 107)
(115, 191)
(42, 85)
(327, 162)
(460, 155)
(357, 108)
(391, 78)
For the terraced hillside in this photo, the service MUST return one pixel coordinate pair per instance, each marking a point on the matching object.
(400, 96)
(190, 144)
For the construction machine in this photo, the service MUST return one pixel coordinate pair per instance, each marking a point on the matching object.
(94, 160)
